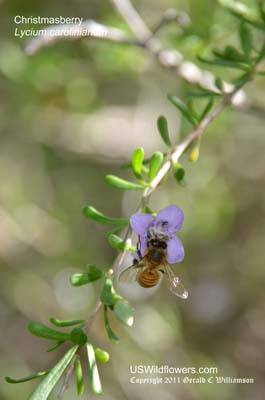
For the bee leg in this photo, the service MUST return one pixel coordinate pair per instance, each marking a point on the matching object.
(161, 270)
(138, 248)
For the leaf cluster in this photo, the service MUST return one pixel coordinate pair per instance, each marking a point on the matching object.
(71, 359)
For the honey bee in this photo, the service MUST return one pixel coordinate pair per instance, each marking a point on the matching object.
(150, 268)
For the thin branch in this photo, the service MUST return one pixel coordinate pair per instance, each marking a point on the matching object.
(116, 264)
(171, 158)
(167, 58)
(89, 28)
(145, 38)
(170, 58)
(93, 314)
(171, 15)
(175, 153)
(133, 19)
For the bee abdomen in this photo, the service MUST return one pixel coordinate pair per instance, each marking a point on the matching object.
(149, 278)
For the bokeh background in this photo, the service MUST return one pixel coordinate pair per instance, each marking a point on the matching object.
(73, 113)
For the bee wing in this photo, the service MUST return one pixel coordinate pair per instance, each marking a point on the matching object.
(174, 284)
(130, 274)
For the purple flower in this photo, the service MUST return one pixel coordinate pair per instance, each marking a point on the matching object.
(164, 226)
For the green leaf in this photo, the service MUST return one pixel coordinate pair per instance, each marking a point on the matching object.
(163, 130)
(137, 162)
(183, 109)
(219, 84)
(93, 369)
(148, 210)
(93, 274)
(241, 80)
(111, 335)
(261, 53)
(204, 93)
(230, 53)
(129, 164)
(207, 108)
(117, 242)
(261, 10)
(246, 40)
(145, 170)
(78, 336)
(55, 346)
(44, 389)
(124, 312)
(108, 295)
(241, 11)
(179, 173)
(80, 387)
(223, 63)
(155, 163)
(38, 329)
(120, 183)
(66, 322)
(117, 229)
(101, 355)
(92, 213)
(192, 110)
(26, 378)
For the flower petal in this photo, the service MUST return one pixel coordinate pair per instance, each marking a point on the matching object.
(175, 250)
(173, 215)
(141, 222)
(143, 245)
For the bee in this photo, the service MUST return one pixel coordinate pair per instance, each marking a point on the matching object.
(149, 269)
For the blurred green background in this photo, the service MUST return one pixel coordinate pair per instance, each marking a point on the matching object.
(71, 114)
